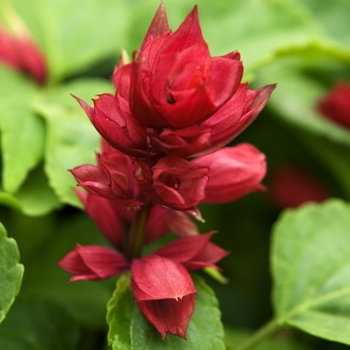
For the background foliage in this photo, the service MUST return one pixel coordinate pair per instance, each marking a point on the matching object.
(301, 45)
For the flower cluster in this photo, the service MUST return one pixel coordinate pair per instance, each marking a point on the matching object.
(336, 104)
(19, 51)
(291, 185)
(163, 131)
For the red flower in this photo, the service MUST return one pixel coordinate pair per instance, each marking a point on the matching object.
(194, 252)
(174, 75)
(174, 98)
(112, 218)
(19, 51)
(111, 178)
(234, 172)
(93, 263)
(290, 186)
(113, 120)
(173, 182)
(336, 104)
(161, 284)
(235, 116)
(164, 293)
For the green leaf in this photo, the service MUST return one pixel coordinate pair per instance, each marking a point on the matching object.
(22, 131)
(11, 272)
(84, 300)
(235, 337)
(71, 138)
(35, 324)
(129, 330)
(34, 198)
(311, 269)
(75, 35)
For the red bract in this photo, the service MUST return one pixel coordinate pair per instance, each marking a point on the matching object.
(193, 252)
(235, 116)
(162, 286)
(112, 119)
(160, 282)
(113, 219)
(111, 178)
(336, 104)
(291, 185)
(174, 98)
(173, 182)
(19, 51)
(93, 263)
(106, 214)
(174, 76)
(234, 172)
(164, 293)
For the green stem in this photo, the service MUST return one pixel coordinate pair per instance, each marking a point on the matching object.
(136, 234)
(260, 335)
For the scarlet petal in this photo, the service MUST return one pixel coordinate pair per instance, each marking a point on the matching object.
(193, 252)
(157, 225)
(234, 172)
(235, 116)
(226, 77)
(93, 262)
(169, 316)
(164, 292)
(173, 182)
(19, 51)
(182, 143)
(188, 34)
(113, 120)
(158, 27)
(291, 185)
(180, 223)
(8, 51)
(104, 212)
(210, 255)
(93, 179)
(157, 278)
(184, 249)
(336, 104)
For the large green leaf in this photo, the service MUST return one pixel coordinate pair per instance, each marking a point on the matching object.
(34, 197)
(11, 272)
(235, 337)
(35, 324)
(71, 138)
(22, 132)
(311, 269)
(129, 330)
(74, 34)
(84, 300)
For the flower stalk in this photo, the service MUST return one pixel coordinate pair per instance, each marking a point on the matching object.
(264, 332)
(134, 241)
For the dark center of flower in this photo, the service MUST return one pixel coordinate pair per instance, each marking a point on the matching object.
(170, 181)
(169, 98)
